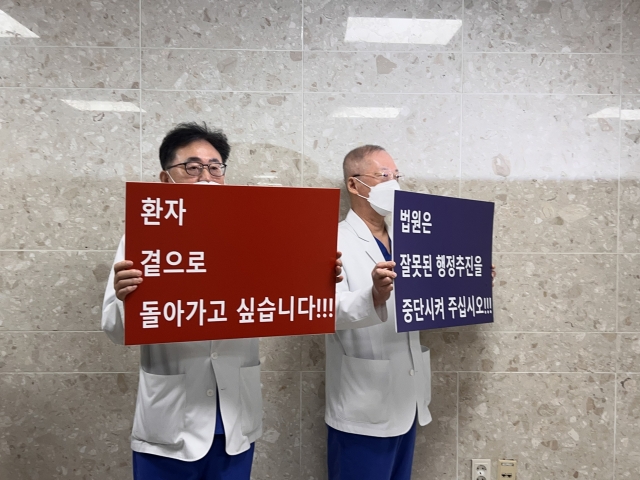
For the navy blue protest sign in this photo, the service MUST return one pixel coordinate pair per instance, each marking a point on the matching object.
(442, 250)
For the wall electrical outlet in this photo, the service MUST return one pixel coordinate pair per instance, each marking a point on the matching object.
(480, 469)
(507, 469)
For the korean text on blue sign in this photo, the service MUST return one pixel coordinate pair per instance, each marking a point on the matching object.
(442, 250)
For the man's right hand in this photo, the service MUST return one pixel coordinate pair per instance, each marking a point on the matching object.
(125, 279)
(383, 276)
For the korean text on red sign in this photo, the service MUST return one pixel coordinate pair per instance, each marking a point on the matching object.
(230, 262)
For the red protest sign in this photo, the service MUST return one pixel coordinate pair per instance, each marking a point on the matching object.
(223, 262)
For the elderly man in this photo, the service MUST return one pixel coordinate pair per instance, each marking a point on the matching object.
(199, 406)
(378, 383)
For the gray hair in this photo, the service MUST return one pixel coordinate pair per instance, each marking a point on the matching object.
(353, 160)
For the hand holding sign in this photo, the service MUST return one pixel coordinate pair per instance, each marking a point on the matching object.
(125, 280)
(383, 276)
(339, 276)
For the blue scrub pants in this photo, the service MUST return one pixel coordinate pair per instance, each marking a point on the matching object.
(351, 456)
(215, 465)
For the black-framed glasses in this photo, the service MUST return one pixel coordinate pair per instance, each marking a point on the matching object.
(384, 176)
(195, 168)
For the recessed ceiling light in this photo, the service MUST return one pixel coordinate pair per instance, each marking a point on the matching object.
(11, 28)
(102, 106)
(615, 112)
(366, 112)
(422, 31)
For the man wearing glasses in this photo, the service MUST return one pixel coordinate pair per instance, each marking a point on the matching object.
(378, 381)
(189, 423)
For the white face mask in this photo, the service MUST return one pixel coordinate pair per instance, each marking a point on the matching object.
(382, 196)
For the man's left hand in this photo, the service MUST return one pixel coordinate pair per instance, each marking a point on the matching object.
(493, 275)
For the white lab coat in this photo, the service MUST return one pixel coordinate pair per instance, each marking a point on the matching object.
(377, 379)
(176, 406)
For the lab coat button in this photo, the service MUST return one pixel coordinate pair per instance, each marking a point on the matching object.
(210, 393)
(411, 372)
(214, 355)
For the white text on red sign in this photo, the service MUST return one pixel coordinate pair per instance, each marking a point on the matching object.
(173, 259)
(214, 310)
(152, 210)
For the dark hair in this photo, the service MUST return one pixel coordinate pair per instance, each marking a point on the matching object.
(186, 133)
(353, 159)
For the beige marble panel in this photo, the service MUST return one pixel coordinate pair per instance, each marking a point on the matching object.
(76, 22)
(277, 453)
(542, 26)
(550, 216)
(325, 23)
(264, 131)
(66, 425)
(630, 176)
(630, 138)
(541, 73)
(521, 352)
(280, 353)
(313, 427)
(631, 26)
(312, 353)
(630, 154)
(629, 352)
(364, 72)
(631, 74)
(65, 352)
(421, 132)
(63, 169)
(557, 426)
(629, 219)
(84, 213)
(543, 137)
(197, 69)
(550, 293)
(52, 290)
(628, 427)
(274, 24)
(434, 456)
(415, 181)
(629, 293)
(69, 67)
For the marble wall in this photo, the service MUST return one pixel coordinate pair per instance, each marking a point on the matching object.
(532, 104)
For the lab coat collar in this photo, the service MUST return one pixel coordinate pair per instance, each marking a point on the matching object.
(363, 232)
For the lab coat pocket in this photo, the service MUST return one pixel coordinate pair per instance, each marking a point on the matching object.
(426, 369)
(365, 387)
(160, 408)
(250, 399)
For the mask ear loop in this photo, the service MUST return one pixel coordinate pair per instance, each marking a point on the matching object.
(167, 172)
(356, 178)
